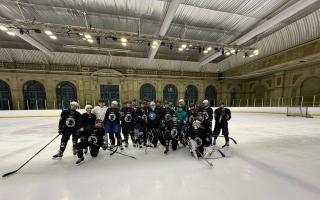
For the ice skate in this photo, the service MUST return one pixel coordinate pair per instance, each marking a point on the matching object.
(79, 161)
(58, 155)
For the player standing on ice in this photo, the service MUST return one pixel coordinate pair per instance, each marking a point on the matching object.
(112, 125)
(221, 115)
(100, 112)
(207, 114)
(153, 123)
(140, 123)
(68, 125)
(127, 116)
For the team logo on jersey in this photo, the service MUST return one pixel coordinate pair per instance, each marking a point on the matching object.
(121, 114)
(152, 115)
(174, 133)
(205, 115)
(70, 122)
(93, 139)
(196, 124)
(128, 118)
(198, 141)
(167, 117)
(112, 117)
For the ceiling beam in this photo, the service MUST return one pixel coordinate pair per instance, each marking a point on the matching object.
(285, 14)
(173, 7)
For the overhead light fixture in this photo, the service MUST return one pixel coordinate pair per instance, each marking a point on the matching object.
(205, 51)
(124, 44)
(209, 48)
(87, 36)
(155, 43)
(184, 46)
(251, 55)
(228, 54)
(11, 33)
(180, 49)
(3, 28)
(190, 45)
(124, 40)
(81, 34)
(153, 46)
(84, 38)
(90, 40)
(233, 51)
(53, 37)
(48, 32)
(256, 52)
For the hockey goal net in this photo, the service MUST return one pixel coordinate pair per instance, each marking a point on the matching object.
(298, 112)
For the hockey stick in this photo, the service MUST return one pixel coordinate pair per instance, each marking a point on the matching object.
(126, 155)
(233, 140)
(12, 172)
(222, 154)
(209, 163)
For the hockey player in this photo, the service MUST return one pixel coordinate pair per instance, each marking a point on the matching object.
(221, 115)
(140, 124)
(153, 123)
(87, 120)
(127, 114)
(173, 134)
(207, 114)
(198, 136)
(182, 119)
(92, 138)
(191, 114)
(68, 125)
(112, 125)
(166, 117)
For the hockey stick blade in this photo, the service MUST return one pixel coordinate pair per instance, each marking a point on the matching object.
(9, 173)
(233, 140)
(222, 154)
(113, 152)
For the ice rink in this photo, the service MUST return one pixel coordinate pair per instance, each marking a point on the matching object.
(276, 158)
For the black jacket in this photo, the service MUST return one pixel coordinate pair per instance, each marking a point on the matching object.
(127, 115)
(207, 113)
(87, 121)
(167, 114)
(222, 115)
(140, 118)
(154, 118)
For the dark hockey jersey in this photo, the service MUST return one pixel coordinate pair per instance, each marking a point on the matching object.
(112, 115)
(69, 120)
(191, 116)
(207, 113)
(87, 121)
(167, 114)
(154, 118)
(222, 115)
(127, 115)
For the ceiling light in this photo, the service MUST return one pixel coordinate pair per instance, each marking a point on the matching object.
(3, 28)
(180, 49)
(124, 44)
(155, 43)
(84, 38)
(190, 45)
(228, 53)
(48, 32)
(233, 51)
(87, 36)
(209, 48)
(251, 55)
(205, 51)
(90, 40)
(153, 46)
(11, 33)
(81, 34)
(53, 37)
(256, 52)
(184, 46)
(124, 40)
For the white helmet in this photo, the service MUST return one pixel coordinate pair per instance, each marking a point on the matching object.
(88, 106)
(114, 102)
(205, 101)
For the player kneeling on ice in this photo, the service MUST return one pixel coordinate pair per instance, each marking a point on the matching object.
(199, 138)
(68, 125)
(221, 115)
(172, 134)
(127, 115)
(87, 120)
(92, 138)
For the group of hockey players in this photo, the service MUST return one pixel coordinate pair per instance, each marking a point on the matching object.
(145, 123)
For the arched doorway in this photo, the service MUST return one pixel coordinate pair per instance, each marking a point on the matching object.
(310, 91)
(148, 92)
(5, 96)
(191, 95)
(211, 95)
(232, 97)
(34, 95)
(66, 92)
(170, 93)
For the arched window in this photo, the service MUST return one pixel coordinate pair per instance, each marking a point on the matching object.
(147, 91)
(5, 96)
(191, 95)
(211, 95)
(232, 97)
(170, 93)
(66, 92)
(34, 95)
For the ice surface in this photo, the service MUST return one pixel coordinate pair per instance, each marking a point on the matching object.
(276, 158)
